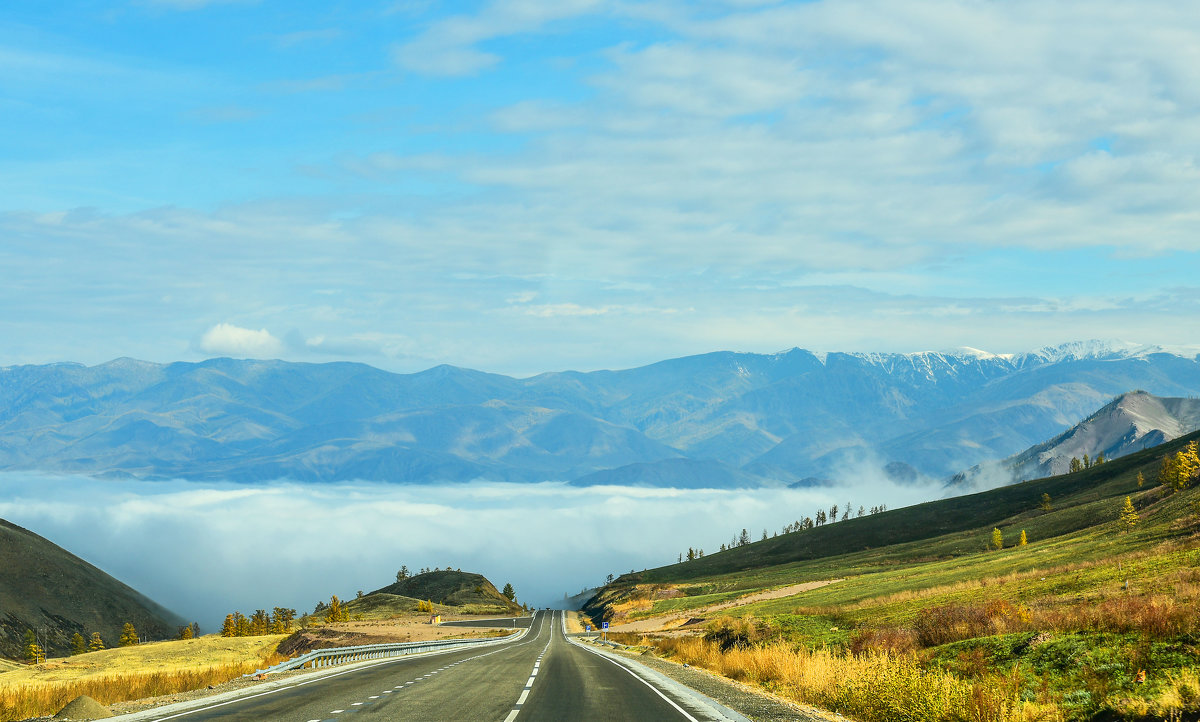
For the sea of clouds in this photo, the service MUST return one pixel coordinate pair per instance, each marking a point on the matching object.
(205, 549)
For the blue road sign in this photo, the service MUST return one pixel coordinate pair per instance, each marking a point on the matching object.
(606, 625)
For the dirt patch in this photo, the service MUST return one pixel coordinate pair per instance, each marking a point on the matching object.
(697, 616)
(354, 634)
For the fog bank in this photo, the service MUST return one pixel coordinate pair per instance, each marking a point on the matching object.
(204, 549)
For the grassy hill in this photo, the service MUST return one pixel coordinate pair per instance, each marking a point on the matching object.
(46, 588)
(1056, 629)
(469, 592)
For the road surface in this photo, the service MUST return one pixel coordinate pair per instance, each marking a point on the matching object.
(542, 677)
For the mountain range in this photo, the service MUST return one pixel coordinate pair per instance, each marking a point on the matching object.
(718, 419)
(1131, 422)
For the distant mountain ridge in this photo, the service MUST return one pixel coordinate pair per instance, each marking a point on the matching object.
(1131, 422)
(724, 417)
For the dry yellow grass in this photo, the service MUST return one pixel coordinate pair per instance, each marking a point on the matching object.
(145, 670)
(870, 686)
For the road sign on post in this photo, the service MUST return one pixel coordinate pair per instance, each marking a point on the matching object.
(604, 634)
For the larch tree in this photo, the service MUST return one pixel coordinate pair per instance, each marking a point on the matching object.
(997, 538)
(1129, 516)
(129, 636)
(33, 651)
(229, 628)
(78, 644)
(1024, 539)
(96, 644)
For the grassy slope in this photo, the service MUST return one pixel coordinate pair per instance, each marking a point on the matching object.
(450, 588)
(900, 565)
(945, 534)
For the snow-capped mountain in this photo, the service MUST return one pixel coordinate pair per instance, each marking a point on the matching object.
(1131, 422)
(753, 418)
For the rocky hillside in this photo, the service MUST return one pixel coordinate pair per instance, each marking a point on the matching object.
(1131, 422)
(46, 588)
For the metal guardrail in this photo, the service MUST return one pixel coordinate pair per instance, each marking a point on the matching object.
(321, 658)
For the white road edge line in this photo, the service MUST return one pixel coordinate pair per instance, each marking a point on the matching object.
(646, 682)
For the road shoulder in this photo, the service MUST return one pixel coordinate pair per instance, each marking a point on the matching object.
(750, 702)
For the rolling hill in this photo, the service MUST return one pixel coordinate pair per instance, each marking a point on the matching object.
(447, 587)
(46, 588)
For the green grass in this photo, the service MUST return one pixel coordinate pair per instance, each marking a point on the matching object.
(1068, 620)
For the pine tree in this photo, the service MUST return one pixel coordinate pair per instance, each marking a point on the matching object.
(403, 573)
(1047, 505)
(96, 644)
(997, 539)
(744, 539)
(1129, 515)
(1075, 465)
(129, 636)
(78, 644)
(1024, 539)
(509, 593)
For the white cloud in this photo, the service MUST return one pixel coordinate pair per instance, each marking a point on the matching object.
(206, 549)
(225, 339)
(448, 46)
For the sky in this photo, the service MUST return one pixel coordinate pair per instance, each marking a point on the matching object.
(530, 185)
(204, 550)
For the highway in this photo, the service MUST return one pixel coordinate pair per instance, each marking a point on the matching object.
(541, 677)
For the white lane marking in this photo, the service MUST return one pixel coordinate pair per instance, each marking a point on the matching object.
(374, 696)
(356, 704)
(352, 670)
(337, 711)
(516, 710)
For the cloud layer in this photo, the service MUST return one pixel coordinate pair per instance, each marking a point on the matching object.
(203, 550)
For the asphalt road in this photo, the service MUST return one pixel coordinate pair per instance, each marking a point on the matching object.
(540, 677)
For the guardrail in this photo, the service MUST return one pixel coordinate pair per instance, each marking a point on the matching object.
(320, 658)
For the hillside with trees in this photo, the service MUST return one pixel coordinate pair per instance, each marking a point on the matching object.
(64, 600)
(1067, 598)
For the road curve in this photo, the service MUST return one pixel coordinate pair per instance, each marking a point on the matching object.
(543, 676)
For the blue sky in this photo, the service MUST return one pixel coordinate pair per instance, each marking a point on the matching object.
(530, 185)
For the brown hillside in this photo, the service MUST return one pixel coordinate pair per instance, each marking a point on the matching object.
(44, 587)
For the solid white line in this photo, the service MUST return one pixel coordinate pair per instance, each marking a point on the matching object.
(633, 674)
